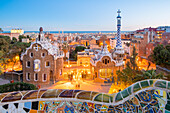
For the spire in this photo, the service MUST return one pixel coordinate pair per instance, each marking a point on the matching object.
(41, 34)
(119, 42)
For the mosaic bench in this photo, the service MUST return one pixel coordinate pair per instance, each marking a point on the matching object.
(148, 96)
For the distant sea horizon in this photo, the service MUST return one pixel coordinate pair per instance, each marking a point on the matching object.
(72, 31)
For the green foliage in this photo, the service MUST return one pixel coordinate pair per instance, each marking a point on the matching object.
(17, 86)
(14, 40)
(161, 55)
(131, 70)
(21, 37)
(1, 30)
(6, 38)
(73, 54)
(79, 48)
(149, 74)
(133, 59)
(4, 45)
(9, 49)
(21, 46)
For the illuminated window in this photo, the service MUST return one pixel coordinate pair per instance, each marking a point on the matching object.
(35, 76)
(44, 77)
(47, 64)
(37, 65)
(61, 72)
(28, 76)
(28, 64)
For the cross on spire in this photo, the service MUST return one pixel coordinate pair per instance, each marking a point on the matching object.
(37, 47)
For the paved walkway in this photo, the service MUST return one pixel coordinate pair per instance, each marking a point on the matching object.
(83, 86)
(3, 81)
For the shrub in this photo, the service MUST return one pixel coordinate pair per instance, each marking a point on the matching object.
(17, 86)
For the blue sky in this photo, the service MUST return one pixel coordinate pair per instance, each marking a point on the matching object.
(83, 15)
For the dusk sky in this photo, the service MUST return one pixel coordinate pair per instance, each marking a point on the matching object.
(83, 15)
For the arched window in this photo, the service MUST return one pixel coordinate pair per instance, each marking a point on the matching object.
(47, 64)
(35, 76)
(28, 76)
(44, 77)
(61, 72)
(105, 61)
(28, 64)
(36, 65)
(43, 55)
(31, 55)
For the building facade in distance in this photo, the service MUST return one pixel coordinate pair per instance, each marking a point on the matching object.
(20, 31)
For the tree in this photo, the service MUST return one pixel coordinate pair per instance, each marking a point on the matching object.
(14, 40)
(21, 46)
(79, 48)
(149, 74)
(161, 55)
(128, 74)
(1, 30)
(14, 54)
(133, 59)
(4, 61)
(65, 47)
(6, 38)
(4, 45)
(21, 37)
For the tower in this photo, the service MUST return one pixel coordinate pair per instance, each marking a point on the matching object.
(119, 50)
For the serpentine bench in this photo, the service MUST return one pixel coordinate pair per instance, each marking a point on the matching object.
(147, 96)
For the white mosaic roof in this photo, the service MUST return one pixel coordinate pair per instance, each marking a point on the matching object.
(47, 45)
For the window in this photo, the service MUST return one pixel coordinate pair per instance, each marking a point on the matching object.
(28, 76)
(108, 61)
(47, 64)
(28, 64)
(80, 62)
(31, 55)
(61, 72)
(37, 65)
(44, 77)
(105, 61)
(43, 54)
(35, 76)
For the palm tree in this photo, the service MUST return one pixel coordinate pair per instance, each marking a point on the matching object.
(65, 47)
(150, 74)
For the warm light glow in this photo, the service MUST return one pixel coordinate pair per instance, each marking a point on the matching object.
(17, 57)
(36, 66)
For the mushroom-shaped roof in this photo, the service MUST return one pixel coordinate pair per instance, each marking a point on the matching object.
(41, 29)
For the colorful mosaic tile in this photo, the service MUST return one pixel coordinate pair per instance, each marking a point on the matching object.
(154, 99)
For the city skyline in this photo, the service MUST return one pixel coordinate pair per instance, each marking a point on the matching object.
(74, 15)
